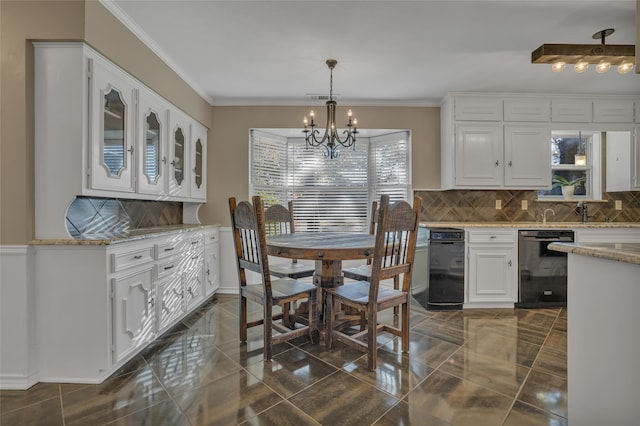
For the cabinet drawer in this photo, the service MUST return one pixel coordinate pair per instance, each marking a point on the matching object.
(478, 109)
(612, 111)
(124, 259)
(167, 267)
(489, 236)
(529, 110)
(571, 111)
(211, 236)
(168, 248)
(194, 242)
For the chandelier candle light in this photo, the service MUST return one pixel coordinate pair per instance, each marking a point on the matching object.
(331, 136)
(582, 55)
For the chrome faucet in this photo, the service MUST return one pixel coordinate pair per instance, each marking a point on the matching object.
(584, 211)
(544, 215)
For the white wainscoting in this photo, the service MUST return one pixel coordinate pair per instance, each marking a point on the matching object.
(18, 369)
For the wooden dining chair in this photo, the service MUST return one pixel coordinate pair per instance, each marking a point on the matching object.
(279, 220)
(249, 238)
(395, 246)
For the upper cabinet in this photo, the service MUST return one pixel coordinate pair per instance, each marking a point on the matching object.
(503, 141)
(103, 133)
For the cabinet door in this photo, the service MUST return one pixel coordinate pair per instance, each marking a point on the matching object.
(619, 111)
(194, 281)
(151, 143)
(527, 156)
(635, 163)
(478, 109)
(527, 110)
(479, 155)
(492, 274)
(198, 164)
(112, 128)
(133, 312)
(179, 137)
(571, 111)
(211, 269)
(170, 300)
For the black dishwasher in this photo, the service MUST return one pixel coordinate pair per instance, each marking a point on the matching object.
(543, 272)
(446, 269)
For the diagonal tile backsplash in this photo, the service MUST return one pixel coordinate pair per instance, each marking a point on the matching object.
(480, 206)
(94, 215)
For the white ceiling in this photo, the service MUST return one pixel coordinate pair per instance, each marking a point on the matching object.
(388, 52)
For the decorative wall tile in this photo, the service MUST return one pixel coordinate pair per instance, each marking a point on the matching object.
(480, 206)
(94, 215)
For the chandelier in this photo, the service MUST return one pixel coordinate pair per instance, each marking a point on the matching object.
(331, 138)
(582, 55)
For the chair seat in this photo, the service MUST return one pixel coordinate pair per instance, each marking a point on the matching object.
(359, 292)
(359, 273)
(281, 289)
(291, 270)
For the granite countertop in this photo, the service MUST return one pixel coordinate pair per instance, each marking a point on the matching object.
(530, 225)
(621, 252)
(106, 238)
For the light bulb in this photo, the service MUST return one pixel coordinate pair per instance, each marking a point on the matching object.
(625, 67)
(558, 66)
(581, 66)
(603, 66)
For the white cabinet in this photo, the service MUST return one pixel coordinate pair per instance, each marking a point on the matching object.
(478, 155)
(621, 161)
(519, 158)
(635, 162)
(614, 111)
(134, 316)
(527, 156)
(492, 265)
(98, 305)
(527, 110)
(571, 110)
(477, 109)
(103, 133)
(211, 262)
(112, 108)
(607, 235)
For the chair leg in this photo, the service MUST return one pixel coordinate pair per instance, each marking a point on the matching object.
(286, 318)
(243, 318)
(396, 286)
(268, 331)
(313, 314)
(372, 339)
(405, 327)
(329, 318)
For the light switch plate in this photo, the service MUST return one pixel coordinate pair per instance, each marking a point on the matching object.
(618, 204)
(498, 204)
(525, 204)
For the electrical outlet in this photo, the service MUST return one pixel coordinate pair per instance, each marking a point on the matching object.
(525, 204)
(618, 204)
(498, 204)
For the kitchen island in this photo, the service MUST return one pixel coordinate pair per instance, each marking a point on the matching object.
(602, 335)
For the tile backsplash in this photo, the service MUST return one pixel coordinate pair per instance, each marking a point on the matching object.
(94, 215)
(480, 205)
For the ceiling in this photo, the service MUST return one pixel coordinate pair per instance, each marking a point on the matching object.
(401, 53)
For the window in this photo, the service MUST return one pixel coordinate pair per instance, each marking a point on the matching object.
(575, 160)
(329, 195)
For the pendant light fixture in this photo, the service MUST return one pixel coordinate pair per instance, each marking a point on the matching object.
(601, 55)
(331, 138)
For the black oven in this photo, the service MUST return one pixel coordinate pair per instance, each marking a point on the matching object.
(542, 272)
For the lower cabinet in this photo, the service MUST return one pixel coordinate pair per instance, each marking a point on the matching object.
(211, 262)
(492, 265)
(99, 305)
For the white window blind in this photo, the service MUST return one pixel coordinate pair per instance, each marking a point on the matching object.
(330, 195)
(268, 168)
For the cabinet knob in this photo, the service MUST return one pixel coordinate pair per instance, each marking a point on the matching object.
(130, 150)
(509, 263)
(497, 163)
(510, 163)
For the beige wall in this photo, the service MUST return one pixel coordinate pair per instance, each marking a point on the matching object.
(24, 21)
(228, 154)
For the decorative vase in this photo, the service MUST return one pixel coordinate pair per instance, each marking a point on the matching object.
(567, 192)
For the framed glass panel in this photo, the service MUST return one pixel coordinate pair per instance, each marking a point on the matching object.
(178, 156)
(198, 166)
(113, 151)
(152, 148)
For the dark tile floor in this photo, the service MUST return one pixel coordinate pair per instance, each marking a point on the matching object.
(477, 367)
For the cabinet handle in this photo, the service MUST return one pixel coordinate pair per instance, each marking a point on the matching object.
(137, 256)
(152, 302)
(174, 163)
(510, 163)
(130, 150)
(497, 163)
(169, 249)
(493, 237)
(194, 242)
(168, 267)
(194, 257)
(208, 272)
(164, 160)
(509, 263)
(190, 291)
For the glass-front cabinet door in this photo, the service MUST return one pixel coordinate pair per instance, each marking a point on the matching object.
(198, 161)
(152, 141)
(112, 126)
(179, 134)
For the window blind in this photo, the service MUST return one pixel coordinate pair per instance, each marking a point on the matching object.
(268, 168)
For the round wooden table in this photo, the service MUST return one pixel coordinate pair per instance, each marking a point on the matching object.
(328, 249)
